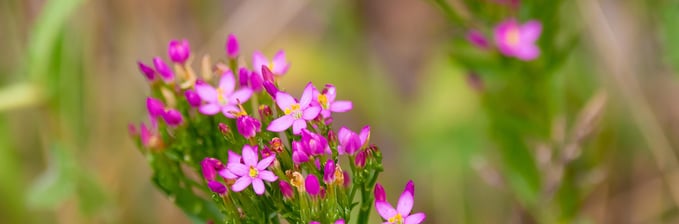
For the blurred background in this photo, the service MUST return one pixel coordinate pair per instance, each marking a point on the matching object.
(606, 151)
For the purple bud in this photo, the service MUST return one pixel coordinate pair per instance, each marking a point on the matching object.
(210, 167)
(256, 81)
(339, 221)
(410, 187)
(164, 70)
(379, 193)
(193, 98)
(360, 159)
(132, 130)
(248, 126)
(347, 178)
(265, 111)
(271, 88)
(286, 189)
(298, 154)
(217, 187)
(332, 137)
(179, 51)
(477, 39)
(312, 186)
(224, 129)
(243, 77)
(173, 117)
(147, 71)
(318, 164)
(232, 48)
(329, 171)
(267, 74)
(155, 107)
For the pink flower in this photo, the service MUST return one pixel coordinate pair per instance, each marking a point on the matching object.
(326, 100)
(179, 51)
(403, 208)
(155, 107)
(232, 47)
(286, 189)
(350, 142)
(173, 117)
(165, 72)
(148, 72)
(312, 185)
(516, 40)
(233, 158)
(296, 113)
(223, 98)
(278, 65)
(252, 171)
(248, 126)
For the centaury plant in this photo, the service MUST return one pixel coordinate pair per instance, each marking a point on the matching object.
(237, 148)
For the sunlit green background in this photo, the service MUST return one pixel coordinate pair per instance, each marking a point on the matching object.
(69, 86)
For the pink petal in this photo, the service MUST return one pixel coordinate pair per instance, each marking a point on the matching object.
(307, 95)
(364, 135)
(341, 106)
(209, 109)
(206, 93)
(249, 156)
(280, 64)
(385, 210)
(238, 169)
(227, 83)
(405, 203)
(284, 100)
(264, 163)
(527, 53)
(297, 126)
(226, 173)
(530, 31)
(233, 157)
(501, 31)
(258, 185)
(310, 113)
(228, 111)
(258, 59)
(268, 175)
(241, 183)
(331, 93)
(241, 95)
(343, 133)
(415, 218)
(281, 124)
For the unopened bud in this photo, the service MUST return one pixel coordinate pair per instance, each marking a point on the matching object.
(276, 145)
(264, 111)
(224, 129)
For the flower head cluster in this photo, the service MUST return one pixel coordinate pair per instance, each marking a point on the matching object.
(213, 125)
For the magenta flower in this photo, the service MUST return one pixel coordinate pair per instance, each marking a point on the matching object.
(179, 51)
(148, 72)
(233, 158)
(252, 171)
(232, 47)
(217, 187)
(155, 107)
(278, 65)
(312, 185)
(165, 72)
(173, 117)
(248, 126)
(286, 189)
(311, 144)
(326, 100)
(350, 142)
(247, 78)
(516, 40)
(149, 136)
(270, 88)
(477, 39)
(403, 208)
(329, 171)
(192, 98)
(296, 113)
(210, 167)
(359, 161)
(224, 98)
(379, 193)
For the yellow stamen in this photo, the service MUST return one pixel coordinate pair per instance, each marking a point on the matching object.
(396, 219)
(220, 97)
(323, 100)
(253, 172)
(513, 36)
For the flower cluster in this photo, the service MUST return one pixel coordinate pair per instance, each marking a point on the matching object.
(263, 154)
(512, 39)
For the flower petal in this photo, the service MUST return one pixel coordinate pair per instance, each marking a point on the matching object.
(229, 110)
(284, 100)
(227, 83)
(307, 95)
(341, 106)
(249, 156)
(297, 126)
(226, 173)
(527, 52)
(258, 59)
(330, 92)
(280, 64)
(241, 183)
(233, 157)
(364, 135)
(240, 95)
(206, 92)
(385, 210)
(405, 203)
(258, 185)
(311, 112)
(209, 109)
(415, 218)
(238, 169)
(268, 176)
(281, 124)
(343, 134)
(530, 31)
(264, 163)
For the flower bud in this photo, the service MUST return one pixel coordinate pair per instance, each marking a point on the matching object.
(264, 111)
(477, 39)
(179, 51)
(332, 138)
(347, 179)
(360, 159)
(379, 193)
(256, 81)
(148, 72)
(276, 145)
(173, 117)
(286, 189)
(267, 74)
(312, 185)
(164, 70)
(297, 180)
(232, 47)
(155, 107)
(224, 129)
(217, 187)
(193, 98)
(248, 126)
(243, 77)
(210, 166)
(329, 171)
(410, 187)
(132, 130)
(270, 88)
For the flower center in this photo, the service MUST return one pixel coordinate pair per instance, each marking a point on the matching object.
(220, 97)
(396, 219)
(513, 36)
(294, 110)
(271, 66)
(253, 172)
(323, 100)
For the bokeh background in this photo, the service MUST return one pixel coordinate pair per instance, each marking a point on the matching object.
(69, 86)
